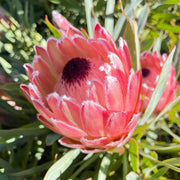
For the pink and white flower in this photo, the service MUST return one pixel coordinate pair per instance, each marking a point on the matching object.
(152, 64)
(85, 89)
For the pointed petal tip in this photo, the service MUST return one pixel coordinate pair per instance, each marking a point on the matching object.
(53, 94)
(54, 13)
(24, 87)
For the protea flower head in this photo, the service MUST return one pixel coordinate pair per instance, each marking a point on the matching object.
(85, 89)
(152, 64)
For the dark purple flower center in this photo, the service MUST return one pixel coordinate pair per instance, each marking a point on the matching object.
(145, 72)
(76, 70)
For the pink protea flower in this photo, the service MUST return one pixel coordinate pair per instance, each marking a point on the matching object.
(85, 89)
(152, 64)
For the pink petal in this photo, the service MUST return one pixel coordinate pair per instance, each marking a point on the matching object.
(54, 54)
(87, 151)
(93, 118)
(114, 95)
(68, 49)
(73, 144)
(72, 31)
(37, 91)
(29, 70)
(116, 124)
(41, 52)
(133, 90)
(42, 109)
(25, 89)
(102, 50)
(71, 111)
(44, 83)
(67, 130)
(70, 143)
(85, 47)
(99, 142)
(53, 101)
(96, 92)
(100, 32)
(116, 63)
(46, 122)
(60, 22)
(132, 123)
(125, 55)
(41, 66)
(34, 92)
(130, 129)
(65, 109)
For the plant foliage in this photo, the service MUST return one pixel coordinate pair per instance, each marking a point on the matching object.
(28, 149)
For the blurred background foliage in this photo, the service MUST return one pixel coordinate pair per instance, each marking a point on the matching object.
(27, 148)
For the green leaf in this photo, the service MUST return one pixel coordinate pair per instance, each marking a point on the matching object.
(173, 161)
(161, 163)
(61, 165)
(168, 27)
(176, 61)
(142, 19)
(89, 159)
(129, 11)
(51, 138)
(7, 134)
(158, 91)
(157, 45)
(160, 172)
(52, 28)
(88, 8)
(165, 128)
(33, 170)
(132, 176)
(5, 177)
(134, 154)
(173, 114)
(109, 20)
(147, 44)
(170, 148)
(125, 164)
(131, 37)
(171, 2)
(5, 165)
(104, 168)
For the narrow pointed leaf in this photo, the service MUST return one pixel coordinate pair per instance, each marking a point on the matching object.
(129, 11)
(161, 163)
(6, 134)
(109, 20)
(134, 154)
(142, 19)
(32, 170)
(52, 28)
(147, 44)
(89, 159)
(157, 45)
(176, 61)
(105, 165)
(61, 165)
(88, 8)
(160, 172)
(131, 37)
